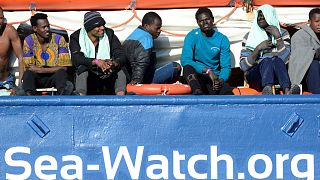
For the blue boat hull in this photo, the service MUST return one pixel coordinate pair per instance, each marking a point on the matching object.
(152, 137)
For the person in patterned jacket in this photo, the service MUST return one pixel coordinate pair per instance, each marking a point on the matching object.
(46, 58)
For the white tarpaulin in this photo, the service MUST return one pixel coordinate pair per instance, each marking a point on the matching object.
(176, 21)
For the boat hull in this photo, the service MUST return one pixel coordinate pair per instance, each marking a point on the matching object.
(170, 137)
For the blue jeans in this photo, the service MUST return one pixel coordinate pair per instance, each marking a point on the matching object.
(8, 83)
(268, 72)
(313, 77)
(166, 73)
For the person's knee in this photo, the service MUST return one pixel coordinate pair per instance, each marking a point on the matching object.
(27, 74)
(268, 66)
(177, 66)
(176, 69)
(27, 71)
(188, 69)
(60, 77)
(83, 75)
(81, 83)
(277, 60)
(267, 62)
(62, 72)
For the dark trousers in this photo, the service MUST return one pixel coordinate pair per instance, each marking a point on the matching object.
(203, 82)
(98, 86)
(268, 72)
(313, 77)
(32, 81)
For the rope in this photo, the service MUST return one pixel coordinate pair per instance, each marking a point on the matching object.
(215, 23)
(126, 22)
(18, 22)
(174, 34)
(229, 14)
(132, 17)
(62, 28)
(165, 91)
(33, 12)
(136, 16)
(298, 25)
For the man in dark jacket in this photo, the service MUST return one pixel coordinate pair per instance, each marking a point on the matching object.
(141, 60)
(97, 54)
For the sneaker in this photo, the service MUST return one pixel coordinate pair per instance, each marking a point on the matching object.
(267, 90)
(295, 89)
(286, 90)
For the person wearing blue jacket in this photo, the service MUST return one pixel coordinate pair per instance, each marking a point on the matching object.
(141, 59)
(206, 57)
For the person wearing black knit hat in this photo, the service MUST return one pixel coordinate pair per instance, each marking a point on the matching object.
(93, 19)
(97, 54)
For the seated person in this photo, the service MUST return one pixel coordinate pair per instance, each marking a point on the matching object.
(305, 55)
(9, 39)
(97, 54)
(141, 60)
(206, 57)
(46, 58)
(264, 52)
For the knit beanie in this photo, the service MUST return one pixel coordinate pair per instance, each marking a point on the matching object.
(93, 19)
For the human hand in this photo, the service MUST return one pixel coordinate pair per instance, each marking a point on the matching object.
(109, 62)
(267, 44)
(133, 82)
(34, 68)
(113, 64)
(109, 68)
(103, 65)
(273, 31)
(317, 54)
(217, 84)
(212, 76)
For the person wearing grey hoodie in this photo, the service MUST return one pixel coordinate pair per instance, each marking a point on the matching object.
(304, 63)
